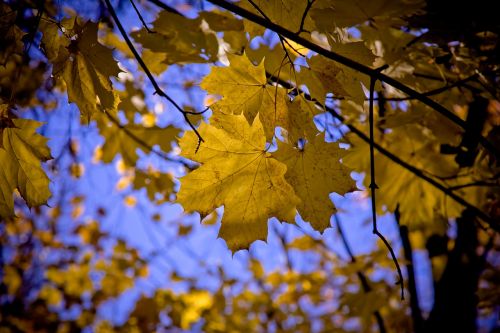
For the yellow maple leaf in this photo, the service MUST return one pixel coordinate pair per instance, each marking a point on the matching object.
(314, 172)
(84, 64)
(244, 89)
(286, 13)
(126, 139)
(329, 15)
(178, 40)
(21, 151)
(238, 173)
(325, 76)
(420, 203)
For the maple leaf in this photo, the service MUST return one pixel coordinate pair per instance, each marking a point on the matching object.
(300, 124)
(158, 185)
(179, 40)
(126, 139)
(236, 172)
(420, 204)
(245, 90)
(329, 15)
(275, 60)
(21, 150)
(326, 76)
(315, 171)
(286, 13)
(84, 64)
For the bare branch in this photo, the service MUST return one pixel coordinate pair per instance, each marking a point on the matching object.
(304, 15)
(373, 187)
(141, 18)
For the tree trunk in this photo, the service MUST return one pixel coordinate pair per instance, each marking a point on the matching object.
(455, 301)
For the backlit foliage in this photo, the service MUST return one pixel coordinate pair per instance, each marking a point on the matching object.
(290, 88)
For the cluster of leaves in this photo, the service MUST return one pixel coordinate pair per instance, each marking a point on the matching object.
(339, 86)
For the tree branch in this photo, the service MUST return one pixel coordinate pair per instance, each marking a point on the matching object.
(140, 17)
(373, 187)
(354, 65)
(304, 15)
(437, 91)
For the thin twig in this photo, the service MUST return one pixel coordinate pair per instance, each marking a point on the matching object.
(478, 184)
(141, 18)
(356, 66)
(373, 187)
(432, 92)
(282, 40)
(166, 7)
(304, 15)
(362, 278)
(146, 70)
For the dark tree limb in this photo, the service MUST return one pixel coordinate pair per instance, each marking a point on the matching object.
(373, 187)
(144, 144)
(144, 24)
(455, 300)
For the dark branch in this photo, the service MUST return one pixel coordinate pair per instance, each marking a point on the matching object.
(166, 7)
(354, 65)
(373, 187)
(432, 92)
(282, 40)
(304, 15)
(140, 17)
